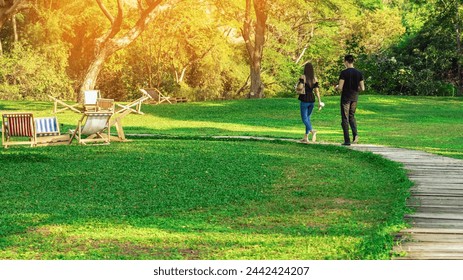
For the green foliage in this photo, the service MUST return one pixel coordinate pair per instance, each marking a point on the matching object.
(424, 63)
(26, 73)
(374, 31)
(185, 52)
(195, 49)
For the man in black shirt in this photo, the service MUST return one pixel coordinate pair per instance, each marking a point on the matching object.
(350, 84)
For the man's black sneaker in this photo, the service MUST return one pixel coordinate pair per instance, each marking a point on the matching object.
(345, 144)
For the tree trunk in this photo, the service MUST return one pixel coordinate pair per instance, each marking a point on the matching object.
(91, 76)
(108, 44)
(255, 49)
(459, 56)
(9, 8)
(257, 87)
(245, 85)
(15, 28)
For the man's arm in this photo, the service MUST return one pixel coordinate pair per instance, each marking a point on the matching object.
(361, 86)
(340, 85)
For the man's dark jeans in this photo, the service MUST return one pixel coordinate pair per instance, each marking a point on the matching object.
(348, 118)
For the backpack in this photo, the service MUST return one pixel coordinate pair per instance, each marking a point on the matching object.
(300, 87)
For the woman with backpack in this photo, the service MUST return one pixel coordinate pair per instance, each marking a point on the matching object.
(307, 100)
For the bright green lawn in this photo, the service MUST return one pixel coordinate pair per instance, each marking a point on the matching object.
(432, 124)
(190, 199)
(193, 198)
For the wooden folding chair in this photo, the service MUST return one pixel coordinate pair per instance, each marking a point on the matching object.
(94, 125)
(105, 105)
(64, 106)
(116, 120)
(19, 125)
(135, 104)
(47, 132)
(157, 95)
(90, 99)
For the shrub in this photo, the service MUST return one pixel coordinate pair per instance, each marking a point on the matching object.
(26, 73)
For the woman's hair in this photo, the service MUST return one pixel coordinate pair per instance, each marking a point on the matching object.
(309, 74)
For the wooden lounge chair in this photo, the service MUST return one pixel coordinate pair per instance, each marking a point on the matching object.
(64, 106)
(105, 105)
(116, 121)
(90, 99)
(157, 96)
(95, 125)
(20, 125)
(135, 106)
(47, 132)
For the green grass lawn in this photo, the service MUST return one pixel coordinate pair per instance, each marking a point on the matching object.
(190, 199)
(180, 196)
(432, 124)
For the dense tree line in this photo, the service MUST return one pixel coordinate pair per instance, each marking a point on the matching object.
(427, 59)
(212, 49)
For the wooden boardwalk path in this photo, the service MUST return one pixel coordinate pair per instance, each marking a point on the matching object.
(437, 197)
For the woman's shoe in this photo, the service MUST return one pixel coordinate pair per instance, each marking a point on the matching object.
(314, 135)
(304, 141)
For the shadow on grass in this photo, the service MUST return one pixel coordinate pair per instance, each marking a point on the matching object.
(18, 158)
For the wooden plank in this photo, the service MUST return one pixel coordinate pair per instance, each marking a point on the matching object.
(433, 231)
(437, 224)
(438, 185)
(430, 180)
(438, 192)
(439, 209)
(432, 163)
(430, 256)
(436, 201)
(435, 238)
(438, 189)
(439, 216)
(433, 166)
(437, 179)
(424, 187)
(438, 167)
(434, 247)
(442, 175)
(435, 172)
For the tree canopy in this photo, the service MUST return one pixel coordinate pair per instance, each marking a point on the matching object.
(207, 49)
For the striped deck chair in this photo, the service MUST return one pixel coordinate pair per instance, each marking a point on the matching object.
(48, 133)
(95, 126)
(20, 125)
